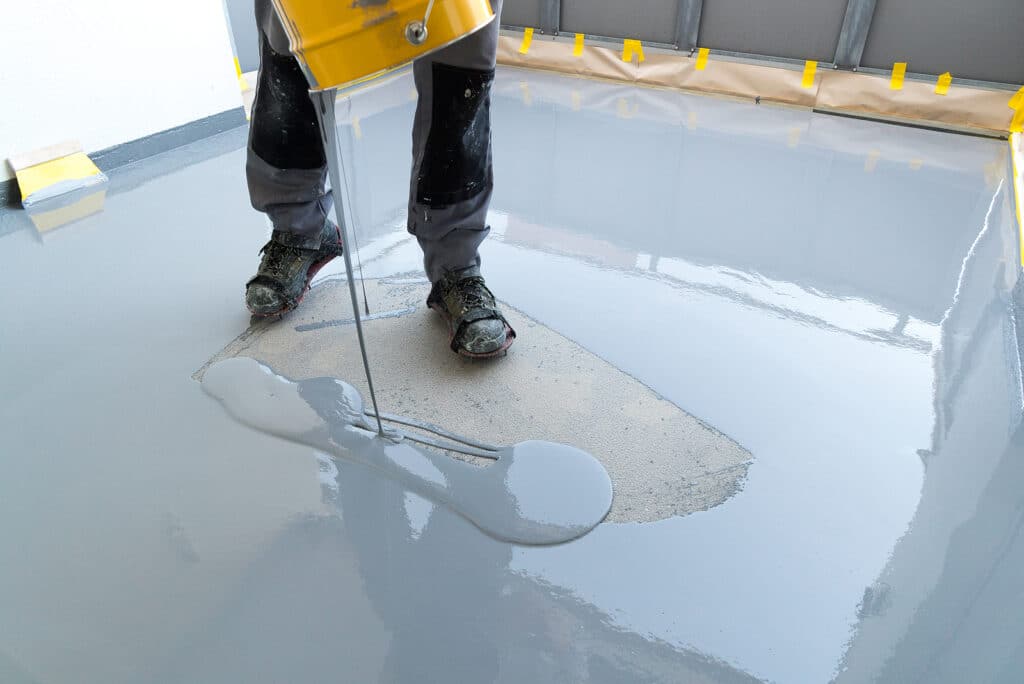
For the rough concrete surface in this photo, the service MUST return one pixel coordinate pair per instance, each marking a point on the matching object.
(662, 461)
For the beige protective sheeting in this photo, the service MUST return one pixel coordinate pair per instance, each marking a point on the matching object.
(734, 79)
(967, 108)
(961, 108)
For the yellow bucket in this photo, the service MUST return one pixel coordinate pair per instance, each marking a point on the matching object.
(341, 42)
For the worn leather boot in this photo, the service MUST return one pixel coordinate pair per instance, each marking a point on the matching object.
(475, 325)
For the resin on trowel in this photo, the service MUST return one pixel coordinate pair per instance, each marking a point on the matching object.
(534, 493)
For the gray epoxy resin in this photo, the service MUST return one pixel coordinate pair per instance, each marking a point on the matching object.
(534, 493)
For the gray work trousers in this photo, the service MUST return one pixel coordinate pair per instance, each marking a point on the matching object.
(452, 180)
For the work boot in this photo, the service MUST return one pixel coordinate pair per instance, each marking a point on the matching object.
(285, 272)
(475, 325)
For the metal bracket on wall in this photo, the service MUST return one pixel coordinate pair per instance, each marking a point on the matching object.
(550, 16)
(854, 34)
(688, 24)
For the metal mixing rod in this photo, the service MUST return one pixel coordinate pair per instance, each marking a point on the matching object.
(324, 104)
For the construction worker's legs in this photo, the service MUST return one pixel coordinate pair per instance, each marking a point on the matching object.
(285, 168)
(451, 184)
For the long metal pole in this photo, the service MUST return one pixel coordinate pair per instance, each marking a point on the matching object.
(324, 104)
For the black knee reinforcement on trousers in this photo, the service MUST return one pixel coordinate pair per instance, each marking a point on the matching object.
(285, 131)
(456, 159)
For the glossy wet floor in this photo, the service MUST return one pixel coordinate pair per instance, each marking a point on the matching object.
(836, 296)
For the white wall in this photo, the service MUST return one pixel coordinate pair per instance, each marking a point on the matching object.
(109, 71)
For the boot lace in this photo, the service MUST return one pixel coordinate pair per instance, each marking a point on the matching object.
(473, 294)
(277, 257)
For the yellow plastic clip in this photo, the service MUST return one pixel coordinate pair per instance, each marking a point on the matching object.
(942, 85)
(577, 49)
(1017, 101)
(702, 59)
(527, 39)
(899, 73)
(632, 47)
(1017, 123)
(810, 67)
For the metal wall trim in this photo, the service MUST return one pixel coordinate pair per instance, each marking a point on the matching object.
(854, 34)
(551, 16)
(688, 24)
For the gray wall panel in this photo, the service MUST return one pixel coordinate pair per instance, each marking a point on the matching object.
(982, 39)
(521, 13)
(801, 29)
(649, 20)
(243, 30)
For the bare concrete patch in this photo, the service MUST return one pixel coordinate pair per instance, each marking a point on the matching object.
(662, 461)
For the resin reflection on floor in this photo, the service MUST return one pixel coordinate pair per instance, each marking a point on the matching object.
(837, 296)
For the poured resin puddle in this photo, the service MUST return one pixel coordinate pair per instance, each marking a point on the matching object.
(662, 461)
(534, 493)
